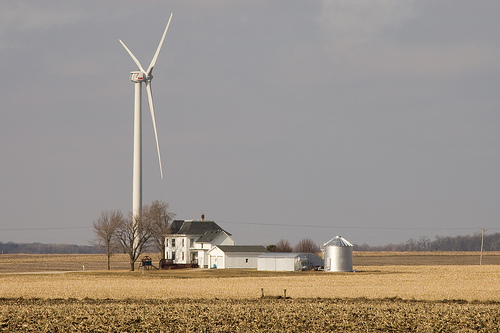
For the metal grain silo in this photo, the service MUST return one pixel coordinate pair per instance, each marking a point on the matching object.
(337, 253)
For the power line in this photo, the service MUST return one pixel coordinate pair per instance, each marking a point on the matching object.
(279, 225)
(349, 227)
(40, 228)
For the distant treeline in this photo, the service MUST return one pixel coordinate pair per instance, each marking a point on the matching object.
(424, 243)
(440, 243)
(39, 248)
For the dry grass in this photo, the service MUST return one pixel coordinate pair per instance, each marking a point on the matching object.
(421, 282)
(63, 262)
(415, 297)
(408, 282)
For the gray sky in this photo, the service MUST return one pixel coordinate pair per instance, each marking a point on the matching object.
(375, 120)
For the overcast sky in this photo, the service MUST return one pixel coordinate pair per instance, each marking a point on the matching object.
(377, 120)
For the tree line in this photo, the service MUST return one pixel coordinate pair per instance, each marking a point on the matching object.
(491, 242)
(39, 248)
(115, 233)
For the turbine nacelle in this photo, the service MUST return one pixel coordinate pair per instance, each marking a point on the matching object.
(139, 77)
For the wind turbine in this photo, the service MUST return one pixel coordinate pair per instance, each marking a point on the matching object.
(138, 77)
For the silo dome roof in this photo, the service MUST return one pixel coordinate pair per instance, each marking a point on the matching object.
(337, 241)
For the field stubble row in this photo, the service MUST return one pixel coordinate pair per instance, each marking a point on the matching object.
(261, 315)
(413, 296)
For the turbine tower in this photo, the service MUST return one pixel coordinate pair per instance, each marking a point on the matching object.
(138, 77)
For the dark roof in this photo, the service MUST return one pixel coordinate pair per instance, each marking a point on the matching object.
(243, 248)
(209, 236)
(190, 227)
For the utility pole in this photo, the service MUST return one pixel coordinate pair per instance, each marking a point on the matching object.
(482, 243)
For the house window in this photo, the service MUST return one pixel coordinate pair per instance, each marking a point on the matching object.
(191, 242)
(173, 255)
(183, 244)
(173, 243)
(182, 255)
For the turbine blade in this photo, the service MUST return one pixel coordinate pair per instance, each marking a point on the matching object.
(153, 62)
(133, 57)
(150, 99)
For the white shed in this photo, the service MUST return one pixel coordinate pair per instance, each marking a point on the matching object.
(235, 256)
(287, 261)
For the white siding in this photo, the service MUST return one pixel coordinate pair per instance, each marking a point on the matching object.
(241, 260)
(276, 264)
(285, 264)
(185, 245)
(292, 262)
(222, 259)
(266, 264)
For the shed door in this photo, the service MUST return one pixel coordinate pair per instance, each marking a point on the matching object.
(216, 262)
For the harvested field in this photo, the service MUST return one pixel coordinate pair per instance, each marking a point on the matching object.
(260, 315)
(424, 258)
(410, 298)
(75, 262)
(63, 262)
(471, 283)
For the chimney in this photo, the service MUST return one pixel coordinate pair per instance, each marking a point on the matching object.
(203, 217)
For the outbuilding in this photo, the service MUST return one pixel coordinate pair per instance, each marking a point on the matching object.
(338, 255)
(235, 256)
(288, 261)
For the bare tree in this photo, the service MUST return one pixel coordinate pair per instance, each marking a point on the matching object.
(423, 243)
(283, 246)
(159, 218)
(306, 245)
(105, 230)
(133, 237)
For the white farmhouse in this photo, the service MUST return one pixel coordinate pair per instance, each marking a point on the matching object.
(235, 256)
(190, 241)
(285, 261)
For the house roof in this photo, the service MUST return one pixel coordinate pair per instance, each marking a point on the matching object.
(209, 236)
(243, 248)
(191, 227)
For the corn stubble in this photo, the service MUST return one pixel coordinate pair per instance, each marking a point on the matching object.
(397, 298)
(237, 315)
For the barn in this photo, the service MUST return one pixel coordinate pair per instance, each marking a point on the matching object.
(286, 261)
(235, 256)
